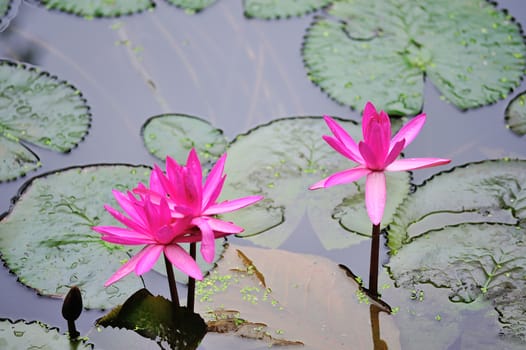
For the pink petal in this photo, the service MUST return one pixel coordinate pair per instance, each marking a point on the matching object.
(346, 176)
(375, 196)
(129, 204)
(415, 163)
(377, 139)
(214, 182)
(409, 131)
(183, 261)
(126, 268)
(231, 205)
(369, 112)
(345, 140)
(372, 160)
(119, 235)
(394, 153)
(125, 220)
(223, 226)
(207, 243)
(150, 255)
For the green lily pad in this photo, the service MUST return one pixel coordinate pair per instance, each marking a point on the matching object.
(47, 241)
(270, 9)
(488, 191)
(472, 261)
(8, 10)
(380, 50)
(192, 6)
(37, 108)
(15, 160)
(154, 317)
(175, 135)
(293, 298)
(516, 114)
(99, 8)
(35, 335)
(280, 160)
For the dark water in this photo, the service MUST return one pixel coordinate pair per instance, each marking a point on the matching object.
(217, 65)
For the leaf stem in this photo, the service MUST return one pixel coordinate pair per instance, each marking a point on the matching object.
(190, 298)
(373, 266)
(171, 282)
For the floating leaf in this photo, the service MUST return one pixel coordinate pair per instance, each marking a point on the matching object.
(8, 10)
(37, 108)
(270, 9)
(380, 50)
(516, 114)
(488, 191)
(474, 261)
(192, 6)
(155, 317)
(308, 299)
(35, 335)
(15, 159)
(175, 135)
(99, 8)
(47, 241)
(280, 160)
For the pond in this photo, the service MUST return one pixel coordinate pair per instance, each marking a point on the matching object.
(131, 89)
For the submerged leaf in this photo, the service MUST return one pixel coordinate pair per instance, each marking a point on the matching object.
(473, 261)
(381, 50)
(175, 135)
(99, 8)
(47, 241)
(156, 318)
(270, 9)
(308, 299)
(516, 114)
(35, 335)
(488, 191)
(280, 160)
(37, 108)
(192, 6)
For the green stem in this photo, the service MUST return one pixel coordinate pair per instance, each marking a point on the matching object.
(190, 298)
(373, 266)
(171, 282)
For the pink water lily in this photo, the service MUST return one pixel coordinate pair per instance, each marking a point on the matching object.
(376, 154)
(182, 186)
(151, 224)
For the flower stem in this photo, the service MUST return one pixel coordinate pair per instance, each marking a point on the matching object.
(190, 298)
(171, 282)
(373, 266)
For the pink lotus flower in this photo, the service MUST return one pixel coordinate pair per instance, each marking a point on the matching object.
(377, 153)
(182, 187)
(149, 223)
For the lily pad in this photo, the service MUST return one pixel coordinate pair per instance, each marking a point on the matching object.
(516, 114)
(192, 6)
(488, 191)
(473, 53)
(303, 298)
(280, 160)
(154, 317)
(8, 10)
(35, 335)
(99, 8)
(47, 241)
(271, 9)
(16, 160)
(175, 134)
(37, 108)
(473, 261)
